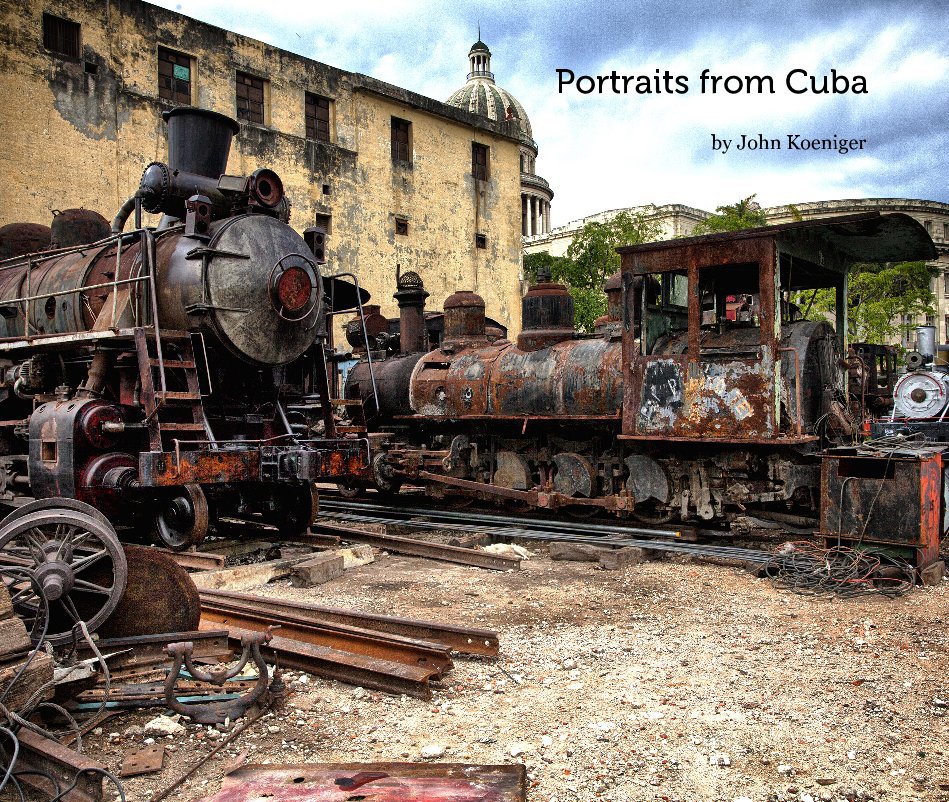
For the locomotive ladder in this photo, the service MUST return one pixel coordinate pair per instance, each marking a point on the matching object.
(170, 414)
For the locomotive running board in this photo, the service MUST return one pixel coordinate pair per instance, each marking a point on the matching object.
(535, 498)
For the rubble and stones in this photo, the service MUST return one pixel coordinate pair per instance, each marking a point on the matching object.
(660, 681)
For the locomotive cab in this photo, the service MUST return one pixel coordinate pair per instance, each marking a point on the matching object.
(716, 350)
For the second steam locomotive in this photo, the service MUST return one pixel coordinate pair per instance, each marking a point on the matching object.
(703, 396)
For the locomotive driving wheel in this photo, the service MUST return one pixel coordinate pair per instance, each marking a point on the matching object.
(182, 520)
(61, 566)
(297, 508)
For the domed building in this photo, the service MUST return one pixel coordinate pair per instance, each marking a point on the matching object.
(481, 95)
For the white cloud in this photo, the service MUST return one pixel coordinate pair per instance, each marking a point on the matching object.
(601, 152)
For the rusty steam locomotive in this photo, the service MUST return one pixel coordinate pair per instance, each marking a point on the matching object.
(173, 375)
(703, 396)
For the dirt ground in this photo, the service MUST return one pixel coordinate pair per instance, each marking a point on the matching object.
(663, 681)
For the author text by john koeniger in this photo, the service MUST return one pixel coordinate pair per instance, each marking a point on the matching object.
(838, 143)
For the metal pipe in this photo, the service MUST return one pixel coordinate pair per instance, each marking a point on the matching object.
(122, 215)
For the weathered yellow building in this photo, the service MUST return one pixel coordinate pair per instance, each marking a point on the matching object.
(395, 177)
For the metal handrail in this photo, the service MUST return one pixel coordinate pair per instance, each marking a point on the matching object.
(32, 262)
(365, 332)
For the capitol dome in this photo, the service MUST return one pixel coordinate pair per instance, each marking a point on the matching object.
(481, 95)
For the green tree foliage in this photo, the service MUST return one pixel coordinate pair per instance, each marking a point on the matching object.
(591, 259)
(744, 214)
(879, 295)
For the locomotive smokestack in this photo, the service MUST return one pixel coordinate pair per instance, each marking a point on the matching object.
(411, 297)
(199, 141)
(546, 315)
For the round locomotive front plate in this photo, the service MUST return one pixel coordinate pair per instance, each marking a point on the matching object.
(263, 287)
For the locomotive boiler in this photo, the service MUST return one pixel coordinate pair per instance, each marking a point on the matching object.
(175, 375)
(702, 397)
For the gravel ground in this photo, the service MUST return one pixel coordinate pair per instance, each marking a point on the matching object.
(668, 680)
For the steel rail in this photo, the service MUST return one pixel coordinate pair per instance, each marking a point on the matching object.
(355, 669)
(465, 640)
(421, 548)
(512, 532)
(380, 646)
(487, 518)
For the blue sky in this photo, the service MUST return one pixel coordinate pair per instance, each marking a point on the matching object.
(613, 150)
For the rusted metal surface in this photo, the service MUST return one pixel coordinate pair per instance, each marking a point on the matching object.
(219, 711)
(464, 320)
(159, 597)
(355, 669)
(163, 469)
(375, 324)
(410, 295)
(295, 624)
(146, 760)
(380, 782)
(862, 237)
(546, 315)
(40, 756)
(421, 548)
(892, 499)
(545, 499)
(77, 227)
(17, 239)
(581, 380)
(466, 640)
(308, 629)
(392, 377)
(143, 652)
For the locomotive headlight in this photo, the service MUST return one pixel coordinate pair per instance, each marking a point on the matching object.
(293, 287)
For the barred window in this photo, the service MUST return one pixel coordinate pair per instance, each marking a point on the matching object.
(401, 140)
(174, 76)
(479, 161)
(61, 35)
(250, 98)
(317, 114)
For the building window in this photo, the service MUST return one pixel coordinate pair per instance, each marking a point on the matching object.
(174, 76)
(61, 35)
(250, 98)
(317, 114)
(401, 140)
(481, 240)
(928, 225)
(324, 221)
(401, 226)
(945, 231)
(947, 328)
(945, 283)
(479, 161)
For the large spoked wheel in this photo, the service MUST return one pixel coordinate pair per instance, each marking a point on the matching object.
(182, 520)
(63, 560)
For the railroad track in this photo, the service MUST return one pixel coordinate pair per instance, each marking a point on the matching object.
(504, 527)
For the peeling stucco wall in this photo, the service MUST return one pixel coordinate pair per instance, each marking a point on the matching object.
(79, 132)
